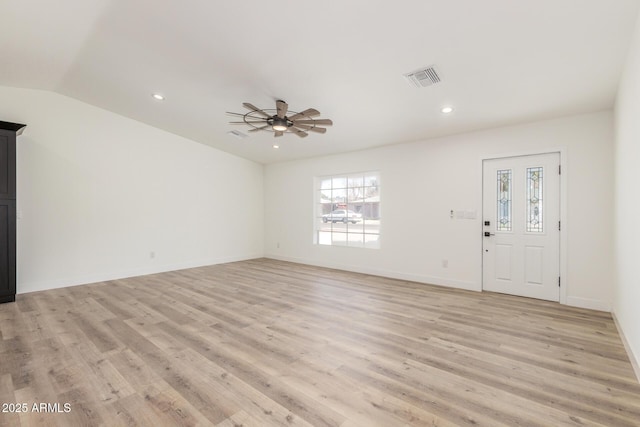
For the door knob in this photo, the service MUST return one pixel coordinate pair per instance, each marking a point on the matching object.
(487, 234)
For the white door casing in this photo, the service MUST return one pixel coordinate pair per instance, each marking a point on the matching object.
(521, 226)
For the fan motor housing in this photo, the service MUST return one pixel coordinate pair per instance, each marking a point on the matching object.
(278, 123)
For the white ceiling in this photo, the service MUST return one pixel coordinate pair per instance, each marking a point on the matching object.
(501, 62)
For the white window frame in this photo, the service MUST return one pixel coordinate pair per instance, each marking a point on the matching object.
(358, 192)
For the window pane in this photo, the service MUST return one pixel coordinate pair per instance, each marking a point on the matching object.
(339, 239)
(325, 184)
(339, 182)
(323, 209)
(372, 226)
(504, 200)
(355, 194)
(323, 224)
(339, 196)
(339, 226)
(371, 210)
(357, 228)
(372, 241)
(371, 194)
(356, 181)
(356, 240)
(324, 238)
(356, 223)
(371, 180)
(325, 196)
(356, 210)
(535, 188)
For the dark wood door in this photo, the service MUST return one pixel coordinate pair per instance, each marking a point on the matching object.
(7, 250)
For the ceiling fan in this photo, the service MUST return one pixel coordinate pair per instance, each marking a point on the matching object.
(279, 123)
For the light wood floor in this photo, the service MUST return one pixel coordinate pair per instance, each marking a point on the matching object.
(264, 342)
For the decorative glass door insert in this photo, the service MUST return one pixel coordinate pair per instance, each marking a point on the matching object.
(504, 200)
(535, 187)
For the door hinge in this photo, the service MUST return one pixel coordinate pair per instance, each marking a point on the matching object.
(559, 169)
(559, 226)
(558, 281)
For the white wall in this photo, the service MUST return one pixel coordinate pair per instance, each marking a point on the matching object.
(626, 304)
(97, 193)
(421, 182)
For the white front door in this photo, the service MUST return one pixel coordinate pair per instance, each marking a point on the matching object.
(521, 226)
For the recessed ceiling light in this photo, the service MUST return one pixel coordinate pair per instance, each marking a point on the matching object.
(447, 110)
(276, 146)
(158, 97)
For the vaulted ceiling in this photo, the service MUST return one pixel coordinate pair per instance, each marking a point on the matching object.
(501, 62)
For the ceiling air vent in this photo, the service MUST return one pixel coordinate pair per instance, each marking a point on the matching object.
(423, 77)
(237, 134)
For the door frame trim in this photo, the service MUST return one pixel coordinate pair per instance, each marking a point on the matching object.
(563, 210)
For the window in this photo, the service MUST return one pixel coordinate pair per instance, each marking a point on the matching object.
(348, 210)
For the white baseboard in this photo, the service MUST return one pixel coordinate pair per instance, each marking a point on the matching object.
(26, 287)
(438, 281)
(587, 303)
(590, 304)
(635, 362)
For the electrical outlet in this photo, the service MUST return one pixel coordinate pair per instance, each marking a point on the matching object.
(445, 263)
(152, 254)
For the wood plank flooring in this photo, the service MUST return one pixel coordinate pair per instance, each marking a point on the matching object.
(265, 342)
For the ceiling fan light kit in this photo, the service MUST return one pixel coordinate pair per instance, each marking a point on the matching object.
(279, 124)
(277, 121)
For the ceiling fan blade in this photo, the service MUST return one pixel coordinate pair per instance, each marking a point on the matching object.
(256, 109)
(309, 112)
(298, 132)
(324, 122)
(252, 122)
(310, 128)
(282, 108)
(257, 129)
(302, 127)
(278, 133)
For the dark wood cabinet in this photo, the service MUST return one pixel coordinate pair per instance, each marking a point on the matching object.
(7, 166)
(8, 133)
(7, 250)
